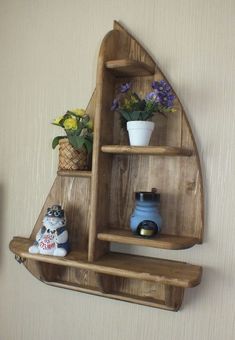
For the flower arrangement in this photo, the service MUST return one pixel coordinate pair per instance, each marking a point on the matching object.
(78, 127)
(132, 107)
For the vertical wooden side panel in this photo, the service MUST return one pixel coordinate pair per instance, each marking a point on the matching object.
(103, 130)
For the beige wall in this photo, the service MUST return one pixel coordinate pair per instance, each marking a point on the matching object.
(48, 51)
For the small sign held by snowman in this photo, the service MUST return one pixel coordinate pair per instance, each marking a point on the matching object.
(52, 238)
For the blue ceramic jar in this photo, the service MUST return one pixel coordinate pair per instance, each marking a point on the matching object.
(146, 220)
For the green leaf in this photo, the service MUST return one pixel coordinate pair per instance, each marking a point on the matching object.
(136, 115)
(76, 142)
(57, 124)
(146, 115)
(88, 145)
(56, 140)
(126, 115)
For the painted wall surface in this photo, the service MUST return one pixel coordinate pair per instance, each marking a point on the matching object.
(48, 53)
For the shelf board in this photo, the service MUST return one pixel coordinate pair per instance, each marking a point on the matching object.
(146, 150)
(166, 272)
(20, 245)
(159, 241)
(74, 173)
(129, 68)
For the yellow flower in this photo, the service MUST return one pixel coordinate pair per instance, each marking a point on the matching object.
(79, 112)
(70, 124)
(57, 120)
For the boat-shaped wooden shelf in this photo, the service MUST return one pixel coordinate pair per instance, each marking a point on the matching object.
(98, 203)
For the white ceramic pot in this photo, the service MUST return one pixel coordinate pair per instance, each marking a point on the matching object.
(140, 132)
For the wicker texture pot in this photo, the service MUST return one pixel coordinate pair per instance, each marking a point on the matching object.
(71, 159)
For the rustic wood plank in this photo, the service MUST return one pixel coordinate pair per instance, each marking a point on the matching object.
(101, 177)
(146, 150)
(74, 173)
(174, 296)
(73, 193)
(151, 269)
(146, 301)
(159, 241)
(131, 266)
(129, 68)
(147, 293)
(20, 246)
(130, 48)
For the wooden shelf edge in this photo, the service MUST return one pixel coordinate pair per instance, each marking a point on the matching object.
(146, 150)
(74, 173)
(161, 241)
(129, 67)
(167, 272)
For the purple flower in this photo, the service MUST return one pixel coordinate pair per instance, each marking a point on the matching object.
(115, 104)
(161, 86)
(125, 87)
(152, 97)
(166, 99)
(164, 91)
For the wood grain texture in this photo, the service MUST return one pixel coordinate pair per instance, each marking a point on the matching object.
(73, 193)
(174, 273)
(43, 44)
(142, 150)
(167, 272)
(118, 177)
(129, 68)
(159, 241)
(103, 197)
(74, 173)
(119, 295)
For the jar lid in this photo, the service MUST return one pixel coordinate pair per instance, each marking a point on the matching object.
(147, 196)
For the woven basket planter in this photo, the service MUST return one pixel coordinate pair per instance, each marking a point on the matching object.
(71, 159)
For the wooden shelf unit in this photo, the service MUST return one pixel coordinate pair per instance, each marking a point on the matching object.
(98, 201)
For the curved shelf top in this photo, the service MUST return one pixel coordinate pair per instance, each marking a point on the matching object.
(162, 241)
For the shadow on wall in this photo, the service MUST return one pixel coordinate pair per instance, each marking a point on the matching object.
(202, 293)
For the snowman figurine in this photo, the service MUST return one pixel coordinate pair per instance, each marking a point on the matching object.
(52, 238)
